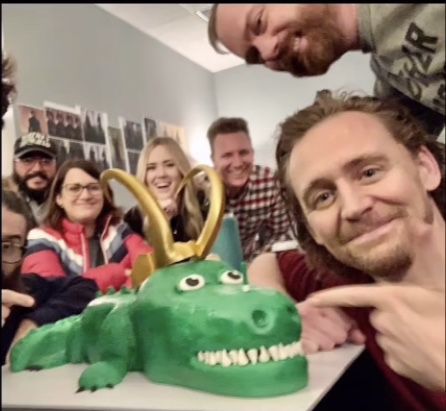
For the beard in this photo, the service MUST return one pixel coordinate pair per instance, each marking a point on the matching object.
(39, 196)
(389, 264)
(325, 45)
(387, 261)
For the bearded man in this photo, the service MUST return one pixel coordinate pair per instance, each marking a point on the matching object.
(406, 43)
(366, 189)
(34, 168)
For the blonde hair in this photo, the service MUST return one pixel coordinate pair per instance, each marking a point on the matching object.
(190, 210)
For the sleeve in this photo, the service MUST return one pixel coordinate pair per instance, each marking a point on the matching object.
(278, 224)
(136, 245)
(41, 257)
(108, 276)
(430, 120)
(64, 297)
(299, 279)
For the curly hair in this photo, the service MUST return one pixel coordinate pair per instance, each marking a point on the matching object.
(402, 126)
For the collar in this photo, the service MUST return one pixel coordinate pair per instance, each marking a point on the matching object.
(76, 228)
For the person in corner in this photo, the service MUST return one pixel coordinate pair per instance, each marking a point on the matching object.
(30, 301)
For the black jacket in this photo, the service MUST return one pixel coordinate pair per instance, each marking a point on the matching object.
(56, 298)
(135, 221)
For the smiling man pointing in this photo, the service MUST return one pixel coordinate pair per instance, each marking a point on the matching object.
(366, 188)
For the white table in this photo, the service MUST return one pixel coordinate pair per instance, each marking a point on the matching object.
(54, 389)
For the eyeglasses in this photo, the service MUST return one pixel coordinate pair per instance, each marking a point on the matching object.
(75, 190)
(12, 252)
(29, 162)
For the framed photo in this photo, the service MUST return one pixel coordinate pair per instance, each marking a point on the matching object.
(63, 121)
(31, 119)
(150, 128)
(132, 132)
(175, 132)
(118, 154)
(97, 153)
(94, 125)
(133, 157)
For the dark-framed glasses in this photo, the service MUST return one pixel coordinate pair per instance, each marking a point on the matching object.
(76, 189)
(12, 251)
(44, 162)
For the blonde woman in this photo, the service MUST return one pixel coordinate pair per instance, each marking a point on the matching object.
(162, 165)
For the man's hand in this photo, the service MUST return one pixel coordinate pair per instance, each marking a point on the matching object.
(10, 298)
(410, 325)
(325, 328)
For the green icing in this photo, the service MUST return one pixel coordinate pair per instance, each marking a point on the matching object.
(192, 324)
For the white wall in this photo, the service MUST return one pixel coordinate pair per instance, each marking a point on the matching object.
(78, 54)
(64, 57)
(265, 98)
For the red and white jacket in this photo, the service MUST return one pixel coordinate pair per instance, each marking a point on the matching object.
(53, 253)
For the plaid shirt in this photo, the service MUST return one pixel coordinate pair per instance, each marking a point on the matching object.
(260, 212)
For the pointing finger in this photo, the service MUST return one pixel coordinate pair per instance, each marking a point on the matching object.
(10, 297)
(351, 296)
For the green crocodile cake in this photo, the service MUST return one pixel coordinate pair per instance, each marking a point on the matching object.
(195, 324)
(192, 324)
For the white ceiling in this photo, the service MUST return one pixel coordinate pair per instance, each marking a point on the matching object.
(177, 26)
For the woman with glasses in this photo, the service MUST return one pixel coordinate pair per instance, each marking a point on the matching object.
(29, 300)
(161, 166)
(83, 232)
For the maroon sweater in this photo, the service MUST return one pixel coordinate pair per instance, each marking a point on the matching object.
(300, 281)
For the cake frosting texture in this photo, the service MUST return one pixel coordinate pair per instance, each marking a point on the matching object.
(193, 324)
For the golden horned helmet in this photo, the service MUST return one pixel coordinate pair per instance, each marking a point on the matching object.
(168, 252)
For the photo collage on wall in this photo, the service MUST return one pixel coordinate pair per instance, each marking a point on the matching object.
(81, 133)
(159, 128)
(133, 140)
(64, 128)
(175, 132)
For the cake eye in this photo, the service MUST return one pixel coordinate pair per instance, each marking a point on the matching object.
(231, 277)
(191, 282)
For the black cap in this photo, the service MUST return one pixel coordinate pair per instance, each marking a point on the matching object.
(34, 142)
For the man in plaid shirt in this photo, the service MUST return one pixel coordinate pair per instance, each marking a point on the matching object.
(252, 191)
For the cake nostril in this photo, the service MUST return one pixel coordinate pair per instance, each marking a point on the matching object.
(291, 309)
(260, 318)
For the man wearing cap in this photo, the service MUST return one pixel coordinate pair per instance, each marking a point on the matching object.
(34, 167)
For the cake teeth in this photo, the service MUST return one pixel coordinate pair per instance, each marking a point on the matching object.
(225, 360)
(242, 358)
(233, 355)
(274, 352)
(264, 356)
(251, 356)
